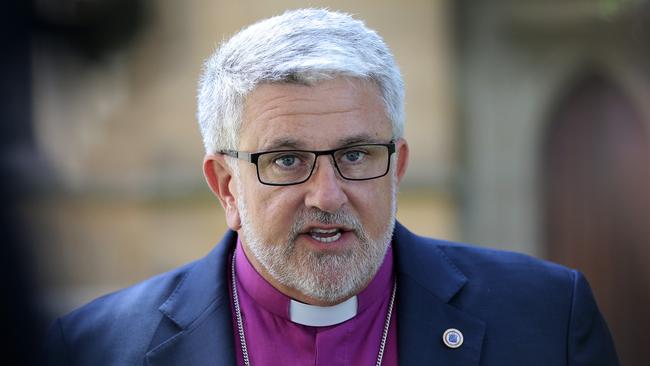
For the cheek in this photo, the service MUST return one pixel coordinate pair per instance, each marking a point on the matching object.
(372, 203)
(274, 208)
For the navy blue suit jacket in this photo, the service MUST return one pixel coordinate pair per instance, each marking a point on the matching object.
(512, 310)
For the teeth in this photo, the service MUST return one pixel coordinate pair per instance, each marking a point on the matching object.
(324, 231)
(326, 239)
(325, 235)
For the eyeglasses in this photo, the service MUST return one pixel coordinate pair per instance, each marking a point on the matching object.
(287, 167)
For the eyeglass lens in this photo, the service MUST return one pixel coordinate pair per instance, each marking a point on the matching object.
(291, 166)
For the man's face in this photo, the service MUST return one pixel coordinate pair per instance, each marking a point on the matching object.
(320, 241)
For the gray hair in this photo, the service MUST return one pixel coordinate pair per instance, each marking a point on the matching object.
(300, 46)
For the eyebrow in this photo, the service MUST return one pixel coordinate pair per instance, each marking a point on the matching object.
(359, 139)
(295, 144)
(283, 143)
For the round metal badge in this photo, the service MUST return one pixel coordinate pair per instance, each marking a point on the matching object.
(453, 338)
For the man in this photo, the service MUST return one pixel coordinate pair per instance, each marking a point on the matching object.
(302, 121)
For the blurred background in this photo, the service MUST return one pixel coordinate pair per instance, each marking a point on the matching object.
(528, 123)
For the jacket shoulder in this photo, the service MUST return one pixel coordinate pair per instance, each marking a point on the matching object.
(508, 289)
(486, 262)
(498, 279)
(124, 320)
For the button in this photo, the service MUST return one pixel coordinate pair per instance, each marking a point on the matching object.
(453, 338)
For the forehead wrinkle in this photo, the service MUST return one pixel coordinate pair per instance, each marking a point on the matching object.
(301, 115)
(308, 108)
(259, 103)
(304, 123)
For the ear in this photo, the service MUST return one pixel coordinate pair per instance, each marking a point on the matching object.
(220, 178)
(402, 150)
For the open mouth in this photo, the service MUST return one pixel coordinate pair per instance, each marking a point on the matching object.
(325, 235)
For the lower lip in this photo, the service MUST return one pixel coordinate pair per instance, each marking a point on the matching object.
(344, 240)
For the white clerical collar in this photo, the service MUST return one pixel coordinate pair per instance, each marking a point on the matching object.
(322, 316)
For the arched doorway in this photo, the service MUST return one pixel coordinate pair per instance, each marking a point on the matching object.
(596, 201)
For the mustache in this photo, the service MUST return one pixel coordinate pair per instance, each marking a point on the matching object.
(315, 215)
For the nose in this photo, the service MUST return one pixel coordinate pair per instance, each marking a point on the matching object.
(324, 187)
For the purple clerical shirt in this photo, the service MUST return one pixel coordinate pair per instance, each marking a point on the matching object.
(273, 339)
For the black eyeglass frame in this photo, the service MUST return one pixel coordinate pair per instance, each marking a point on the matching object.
(254, 157)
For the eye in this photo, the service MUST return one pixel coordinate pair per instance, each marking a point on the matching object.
(287, 161)
(353, 156)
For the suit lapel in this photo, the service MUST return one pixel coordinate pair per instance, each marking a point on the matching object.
(427, 281)
(196, 328)
(209, 342)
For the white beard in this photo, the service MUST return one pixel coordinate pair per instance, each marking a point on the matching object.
(323, 276)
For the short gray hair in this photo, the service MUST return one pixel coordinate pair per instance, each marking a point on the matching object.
(300, 46)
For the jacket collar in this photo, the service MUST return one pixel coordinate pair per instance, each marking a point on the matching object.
(205, 284)
(427, 265)
(427, 282)
(199, 331)
(196, 328)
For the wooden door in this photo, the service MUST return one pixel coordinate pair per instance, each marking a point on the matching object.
(596, 201)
